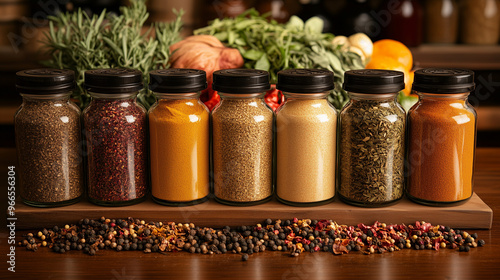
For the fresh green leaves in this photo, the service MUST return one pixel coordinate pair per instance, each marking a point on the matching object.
(407, 101)
(79, 42)
(270, 46)
(314, 25)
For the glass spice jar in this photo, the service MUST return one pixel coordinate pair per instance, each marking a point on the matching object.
(480, 22)
(402, 21)
(115, 128)
(48, 138)
(372, 137)
(179, 126)
(242, 138)
(306, 128)
(442, 137)
(441, 21)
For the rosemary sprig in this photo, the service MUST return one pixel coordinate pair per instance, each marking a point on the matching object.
(79, 42)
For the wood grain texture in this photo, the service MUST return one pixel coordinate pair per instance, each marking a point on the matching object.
(472, 214)
(479, 263)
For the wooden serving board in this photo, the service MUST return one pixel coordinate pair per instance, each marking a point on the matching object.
(472, 214)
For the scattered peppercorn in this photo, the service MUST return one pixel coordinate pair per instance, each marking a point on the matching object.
(295, 237)
(244, 257)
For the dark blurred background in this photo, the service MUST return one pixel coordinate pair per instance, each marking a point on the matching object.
(467, 37)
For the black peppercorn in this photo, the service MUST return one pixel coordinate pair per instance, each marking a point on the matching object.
(244, 257)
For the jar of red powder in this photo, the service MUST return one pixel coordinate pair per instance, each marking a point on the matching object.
(115, 129)
(441, 137)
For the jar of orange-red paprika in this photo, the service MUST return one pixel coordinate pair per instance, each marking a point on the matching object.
(442, 137)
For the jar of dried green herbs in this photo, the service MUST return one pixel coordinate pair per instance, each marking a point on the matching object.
(372, 137)
(242, 138)
(306, 129)
(48, 138)
(115, 127)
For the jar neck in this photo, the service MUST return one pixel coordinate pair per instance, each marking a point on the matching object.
(442, 97)
(378, 97)
(113, 96)
(177, 96)
(45, 97)
(225, 95)
(316, 95)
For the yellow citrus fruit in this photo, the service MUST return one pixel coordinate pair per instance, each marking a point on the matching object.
(408, 84)
(389, 63)
(394, 49)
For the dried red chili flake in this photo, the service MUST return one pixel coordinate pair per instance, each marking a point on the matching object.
(115, 128)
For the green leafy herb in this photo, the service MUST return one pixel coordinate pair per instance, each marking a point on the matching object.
(79, 42)
(270, 46)
(406, 101)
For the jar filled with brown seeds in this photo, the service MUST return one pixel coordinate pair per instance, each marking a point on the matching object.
(242, 138)
(48, 138)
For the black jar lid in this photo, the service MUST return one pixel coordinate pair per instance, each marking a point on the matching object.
(113, 80)
(177, 80)
(443, 80)
(374, 81)
(305, 80)
(45, 81)
(241, 81)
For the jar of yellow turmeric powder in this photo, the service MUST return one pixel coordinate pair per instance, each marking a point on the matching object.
(179, 127)
(441, 137)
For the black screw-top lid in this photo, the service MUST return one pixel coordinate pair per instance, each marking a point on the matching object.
(241, 81)
(45, 81)
(305, 80)
(177, 80)
(443, 80)
(113, 80)
(374, 81)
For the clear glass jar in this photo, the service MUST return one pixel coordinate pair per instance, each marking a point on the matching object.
(441, 21)
(48, 139)
(179, 126)
(115, 128)
(242, 138)
(480, 22)
(441, 138)
(404, 21)
(372, 138)
(306, 128)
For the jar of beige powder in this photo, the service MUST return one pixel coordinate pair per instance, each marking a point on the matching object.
(306, 126)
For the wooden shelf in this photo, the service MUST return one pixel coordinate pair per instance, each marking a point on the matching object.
(488, 118)
(472, 214)
(475, 57)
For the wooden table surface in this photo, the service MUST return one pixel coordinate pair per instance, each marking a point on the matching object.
(479, 263)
